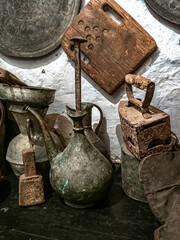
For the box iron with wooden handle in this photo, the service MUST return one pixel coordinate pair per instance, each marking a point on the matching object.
(145, 129)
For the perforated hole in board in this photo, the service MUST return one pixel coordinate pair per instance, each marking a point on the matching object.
(84, 58)
(112, 14)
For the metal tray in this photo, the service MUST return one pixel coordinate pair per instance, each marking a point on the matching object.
(34, 28)
(168, 9)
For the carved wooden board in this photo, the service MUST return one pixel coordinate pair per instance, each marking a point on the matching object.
(168, 9)
(33, 28)
(113, 50)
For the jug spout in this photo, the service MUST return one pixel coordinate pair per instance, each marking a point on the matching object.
(51, 148)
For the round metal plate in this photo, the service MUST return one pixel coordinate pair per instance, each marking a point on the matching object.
(33, 28)
(168, 9)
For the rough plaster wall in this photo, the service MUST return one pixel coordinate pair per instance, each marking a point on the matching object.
(163, 68)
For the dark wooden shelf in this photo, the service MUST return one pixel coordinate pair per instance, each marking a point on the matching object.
(116, 218)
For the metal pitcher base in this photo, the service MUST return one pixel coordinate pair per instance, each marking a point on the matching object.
(75, 205)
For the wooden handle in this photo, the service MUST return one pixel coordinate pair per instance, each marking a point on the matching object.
(29, 162)
(9, 78)
(142, 83)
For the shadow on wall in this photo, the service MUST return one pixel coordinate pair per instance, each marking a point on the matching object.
(148, 63)
(32, 63)
(119, 134)
(103, 135)
(83, 3)
(172, 26)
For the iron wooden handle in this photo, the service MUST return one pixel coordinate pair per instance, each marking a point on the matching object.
(142, 83)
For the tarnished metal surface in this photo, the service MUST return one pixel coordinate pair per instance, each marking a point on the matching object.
(77, 41)
(50, 144)
(61, 126)
(85, 174)
(31, 189)
(80, 174)
(168, 9)
(21, 141)
(39, 99)
(130, 175)
(34, 28)
(90, 134)
(33, 96)
(145, 131)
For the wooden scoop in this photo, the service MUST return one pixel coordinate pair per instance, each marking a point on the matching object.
(31, 189)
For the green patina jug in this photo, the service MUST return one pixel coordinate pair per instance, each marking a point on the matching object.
(80, 174)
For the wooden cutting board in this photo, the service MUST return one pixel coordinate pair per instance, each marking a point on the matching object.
(112, 50)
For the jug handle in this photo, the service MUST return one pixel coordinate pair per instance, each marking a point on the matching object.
(30, 132)
(100, 120)
(2, 110)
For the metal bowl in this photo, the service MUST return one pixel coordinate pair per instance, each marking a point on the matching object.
(33, 96)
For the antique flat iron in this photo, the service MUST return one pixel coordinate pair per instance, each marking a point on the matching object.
(145, 129)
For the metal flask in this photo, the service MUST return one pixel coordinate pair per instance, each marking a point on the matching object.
(39, 99)
(2, 136)
(80, 174)
(90, 134)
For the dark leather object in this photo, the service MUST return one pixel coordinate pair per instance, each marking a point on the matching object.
(160, 175)
(171, 229)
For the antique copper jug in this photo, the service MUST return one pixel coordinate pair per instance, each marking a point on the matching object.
(80, 174)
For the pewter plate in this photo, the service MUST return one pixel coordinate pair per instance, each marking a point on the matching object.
(168, 9)
(33, 28)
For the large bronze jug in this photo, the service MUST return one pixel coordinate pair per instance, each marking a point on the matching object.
(80, 174)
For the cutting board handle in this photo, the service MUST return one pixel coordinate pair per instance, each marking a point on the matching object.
(142, 83)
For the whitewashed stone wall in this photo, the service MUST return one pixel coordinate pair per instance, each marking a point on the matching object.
(163, 68)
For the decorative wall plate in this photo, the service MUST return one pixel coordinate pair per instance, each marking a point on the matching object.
(168, 9)
(33, 28)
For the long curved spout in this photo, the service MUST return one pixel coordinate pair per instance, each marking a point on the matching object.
(51, 147)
